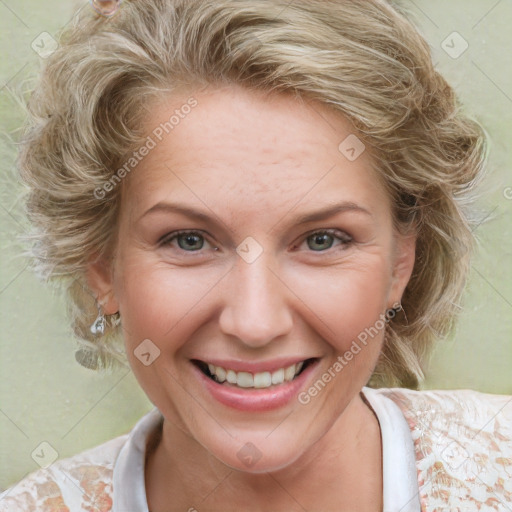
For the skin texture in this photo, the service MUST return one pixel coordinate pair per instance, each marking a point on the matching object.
(254, 163)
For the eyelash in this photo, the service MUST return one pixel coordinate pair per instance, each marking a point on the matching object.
(345, 239)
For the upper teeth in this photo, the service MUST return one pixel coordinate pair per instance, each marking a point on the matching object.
(256, 380)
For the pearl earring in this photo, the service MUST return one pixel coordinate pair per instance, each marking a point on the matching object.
(98, 326)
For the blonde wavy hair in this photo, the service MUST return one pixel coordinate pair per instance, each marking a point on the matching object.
(363, 58)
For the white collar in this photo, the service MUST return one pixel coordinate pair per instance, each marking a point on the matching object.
(400, 484)
(400, 481)
(129, 489)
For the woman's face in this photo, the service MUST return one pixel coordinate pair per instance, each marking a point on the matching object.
(290, 259)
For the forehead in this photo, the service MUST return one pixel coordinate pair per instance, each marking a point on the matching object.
(242, 148)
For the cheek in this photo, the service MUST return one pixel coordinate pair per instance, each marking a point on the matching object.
(347, 302)
(155, 298)
(340, 300)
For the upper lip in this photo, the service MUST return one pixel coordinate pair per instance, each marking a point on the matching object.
(254, 366)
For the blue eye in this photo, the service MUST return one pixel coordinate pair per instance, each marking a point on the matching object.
(323, 240)
(318, 241)
(190, 241)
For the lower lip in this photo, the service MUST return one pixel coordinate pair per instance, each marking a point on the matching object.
(254, 400)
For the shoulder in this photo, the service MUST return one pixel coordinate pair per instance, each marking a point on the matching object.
(80, 482)
(465, 412)
(463, 444)
(456, 397)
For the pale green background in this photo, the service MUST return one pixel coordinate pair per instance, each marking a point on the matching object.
(46, 396)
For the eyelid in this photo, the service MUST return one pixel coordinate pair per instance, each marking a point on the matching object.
(168, 237)
(343, 236)
(331, 231)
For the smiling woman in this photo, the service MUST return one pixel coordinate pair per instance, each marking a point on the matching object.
(275, 255)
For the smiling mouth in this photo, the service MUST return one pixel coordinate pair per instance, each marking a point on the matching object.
(260, 380)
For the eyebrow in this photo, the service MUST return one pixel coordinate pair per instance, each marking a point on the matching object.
(321, 214)
(331, 211)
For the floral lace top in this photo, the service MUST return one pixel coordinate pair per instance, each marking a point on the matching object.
(462, 443)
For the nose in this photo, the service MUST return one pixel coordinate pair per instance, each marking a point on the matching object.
(257, 309)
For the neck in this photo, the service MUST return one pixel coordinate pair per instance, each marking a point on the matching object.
(342, 470)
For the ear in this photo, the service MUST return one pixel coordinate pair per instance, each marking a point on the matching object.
(403, 264)
(100, 281)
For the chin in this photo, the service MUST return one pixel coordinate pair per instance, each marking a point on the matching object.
(260, 463)
(259, 453)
